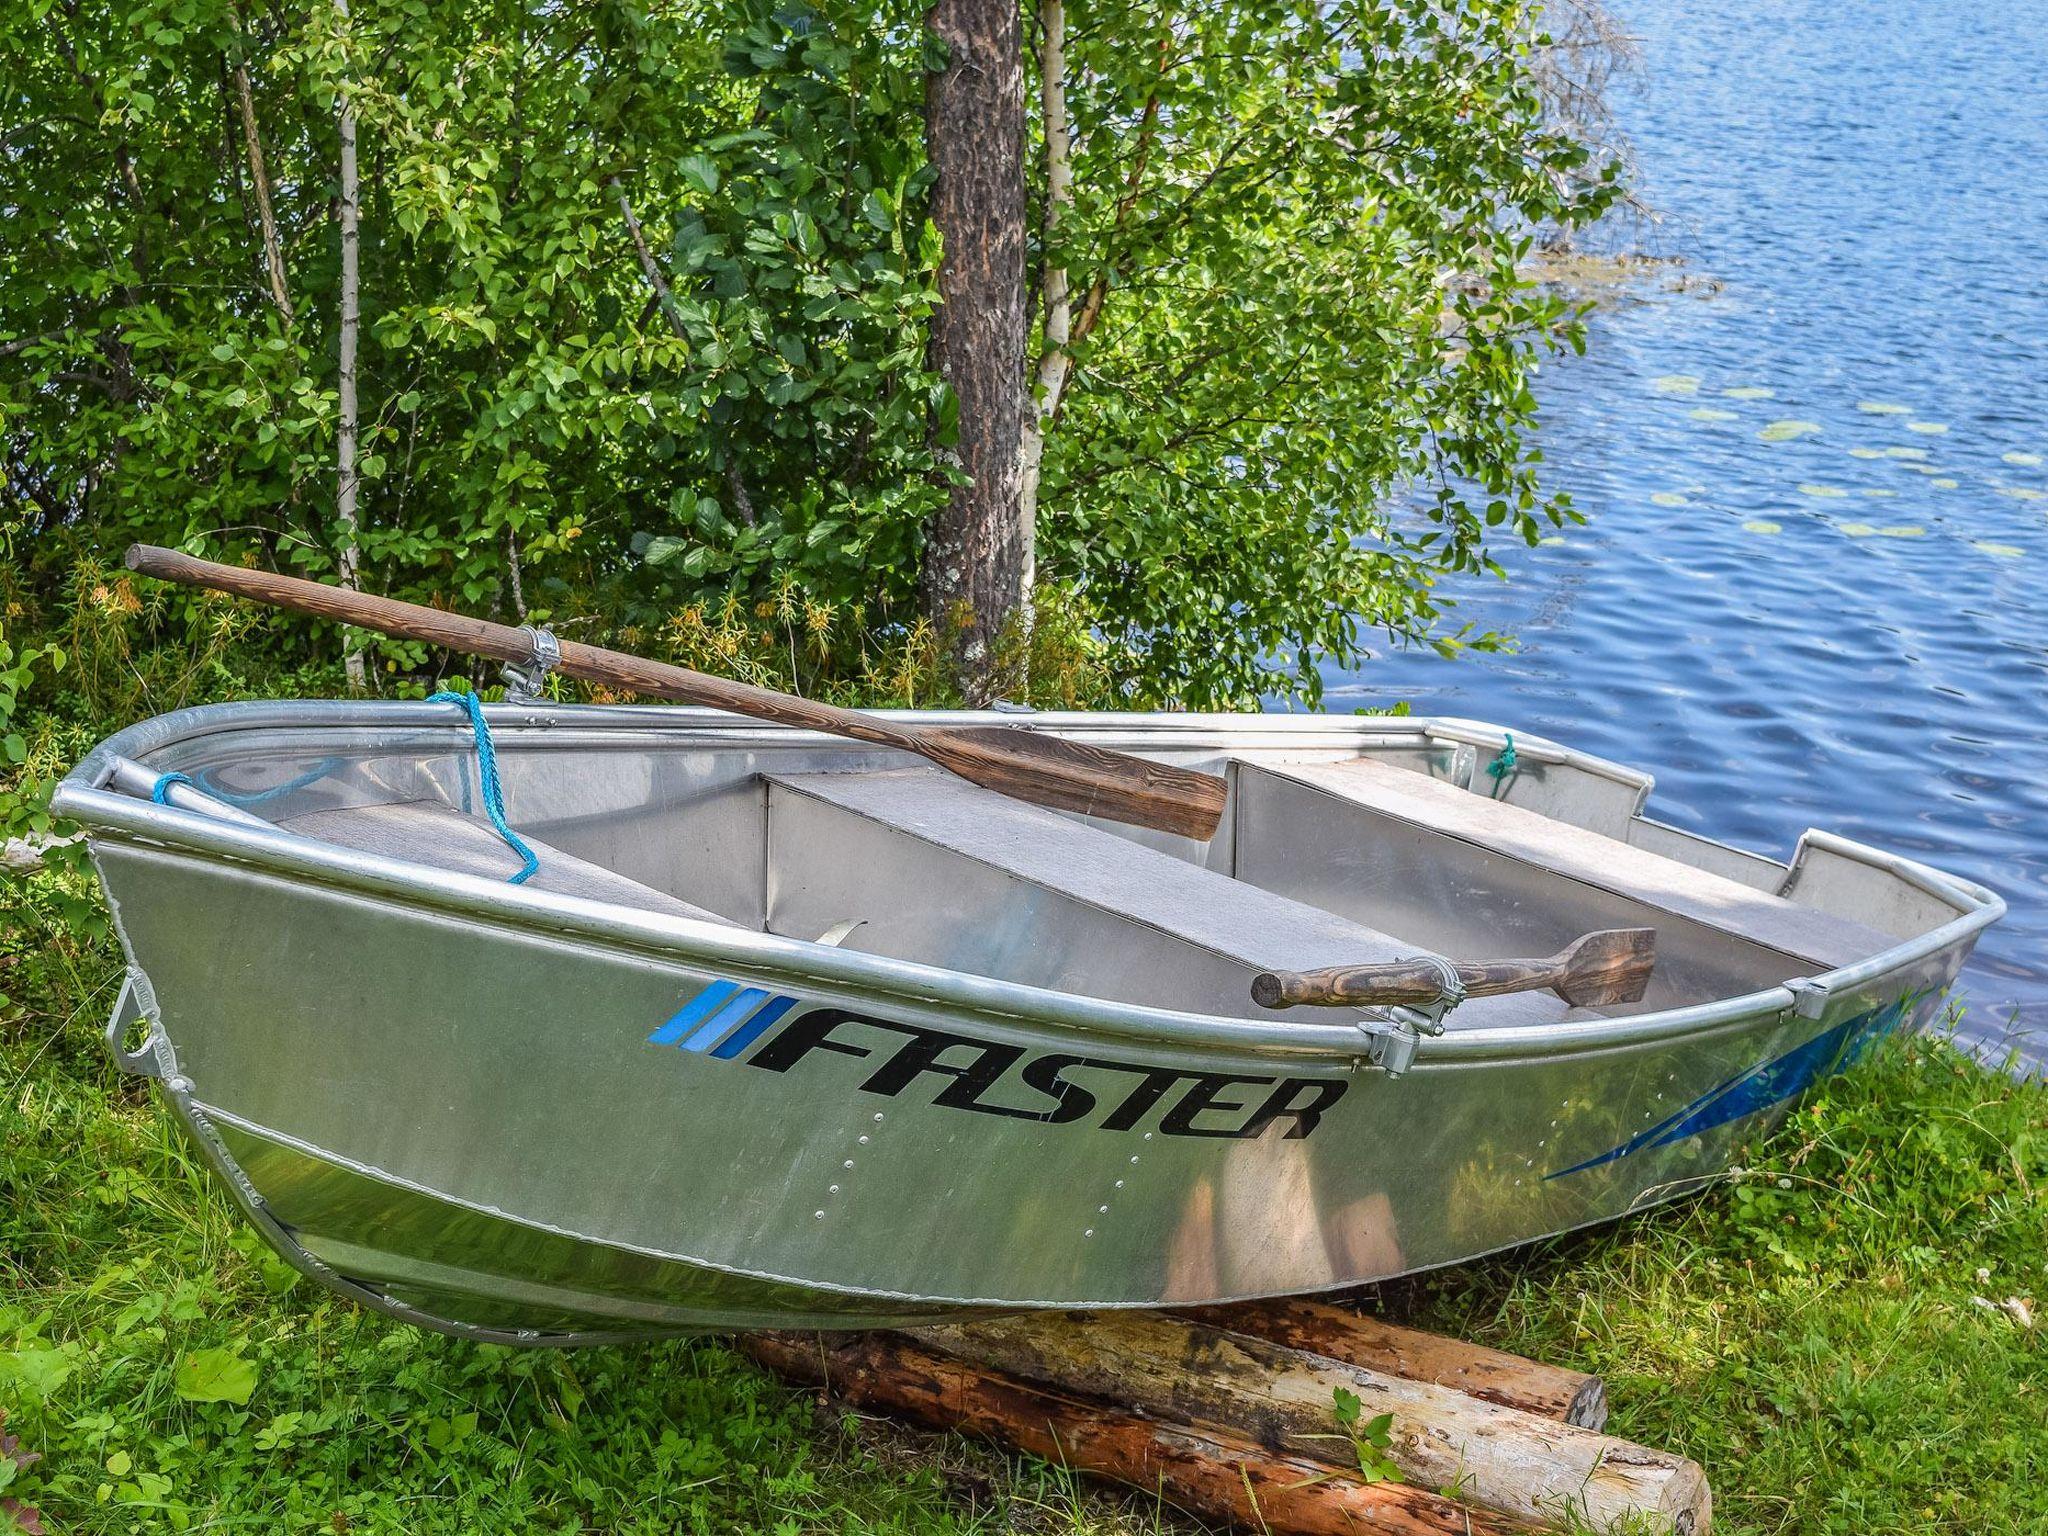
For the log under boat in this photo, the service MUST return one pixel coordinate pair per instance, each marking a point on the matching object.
(785, 1030)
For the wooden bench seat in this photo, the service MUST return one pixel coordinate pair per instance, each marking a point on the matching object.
(953, 875)
(1514, 870)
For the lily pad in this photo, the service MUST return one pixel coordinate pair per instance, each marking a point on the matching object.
(1866, 453)
(1905, 453)
(1879, 490)
(1822, 490)
(1763, 525)
(1667, 498)
(1710, 413)
(1785, 431)
(1944, 483)
(1880, 408)
(1902, 531)
(2028, 459)
(1676, 384)
(1749, 392)
(1554, 538)
(2001, 551)
(1857, 530)
(2023, 493)
(1926, 428)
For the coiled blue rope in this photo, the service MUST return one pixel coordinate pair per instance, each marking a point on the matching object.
(487, 780)
(160, 791)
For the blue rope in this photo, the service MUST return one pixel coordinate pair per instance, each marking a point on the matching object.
(313, 775)
(487, 781)
(160, 791)
(1503, 765)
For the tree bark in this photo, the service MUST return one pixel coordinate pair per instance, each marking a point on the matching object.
(1531, 1469)
(1055, 362)
(1318, 1328)
(1212, 1473)
(517, 578)
(978, 561)
(259, 177)
(351, 320)
(648, 267)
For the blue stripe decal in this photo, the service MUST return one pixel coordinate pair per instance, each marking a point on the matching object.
(691, 1014)
(1762, 1087)
(744, 1003)
(751, 1031)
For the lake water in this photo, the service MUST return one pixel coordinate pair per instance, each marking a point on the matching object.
(1811, 588)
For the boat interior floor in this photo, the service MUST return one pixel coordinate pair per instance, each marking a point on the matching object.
(1319, 864)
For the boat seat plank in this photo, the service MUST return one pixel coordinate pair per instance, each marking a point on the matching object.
(428, 832)
(937, 862)
(1592, 859)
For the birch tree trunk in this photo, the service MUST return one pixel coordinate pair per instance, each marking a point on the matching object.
(735, 482)
(259, 179)
(1054, 362)
(351, 319)
(978, 554)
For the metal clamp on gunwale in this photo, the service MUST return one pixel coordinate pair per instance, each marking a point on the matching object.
(1391, 1044)
(526, 681)
(1395, 1043)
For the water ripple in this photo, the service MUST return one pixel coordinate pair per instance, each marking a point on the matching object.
(1809, 592)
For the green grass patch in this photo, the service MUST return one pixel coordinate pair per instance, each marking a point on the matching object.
(1807, 1330)
(1824, 1332)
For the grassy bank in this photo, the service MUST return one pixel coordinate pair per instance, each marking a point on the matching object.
(1810, 1330)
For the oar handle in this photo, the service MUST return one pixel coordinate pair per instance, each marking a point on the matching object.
(1027, 765)
(1611, 966)
(502, 642)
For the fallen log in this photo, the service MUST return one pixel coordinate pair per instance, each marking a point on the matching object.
(1549, 1391)
(1208, 1473)
(1531, 1469)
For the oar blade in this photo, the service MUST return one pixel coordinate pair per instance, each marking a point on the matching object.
(1611, 966)
(1074, 776)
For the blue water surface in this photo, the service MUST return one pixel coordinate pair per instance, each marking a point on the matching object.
(1811, 592)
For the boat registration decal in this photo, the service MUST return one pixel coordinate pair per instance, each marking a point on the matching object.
(1833, 1050)
(727, 1021)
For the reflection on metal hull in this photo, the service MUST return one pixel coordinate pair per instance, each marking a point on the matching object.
(525, 1116)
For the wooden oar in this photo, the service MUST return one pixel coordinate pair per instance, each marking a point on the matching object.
(1612, 966)
(1047, 770)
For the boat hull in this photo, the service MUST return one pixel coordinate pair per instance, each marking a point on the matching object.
(550, 1124)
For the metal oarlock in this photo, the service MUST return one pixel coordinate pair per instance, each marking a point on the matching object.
(1450, 992)
(527, 681)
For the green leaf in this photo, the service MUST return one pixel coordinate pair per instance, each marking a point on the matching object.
(40, 1371)
(699, 172)
(214, 1376)
(663, 548)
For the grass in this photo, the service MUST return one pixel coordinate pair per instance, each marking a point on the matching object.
(1807, 1330)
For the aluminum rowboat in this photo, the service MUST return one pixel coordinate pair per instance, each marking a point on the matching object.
(789, 1031)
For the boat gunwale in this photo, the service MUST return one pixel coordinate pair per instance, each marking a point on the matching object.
(678, 940)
